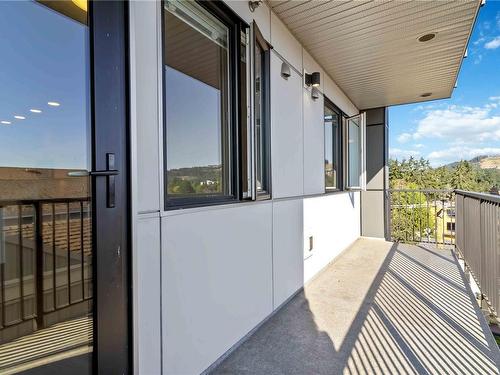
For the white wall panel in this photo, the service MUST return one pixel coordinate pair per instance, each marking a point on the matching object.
(334, 222)
(286, 132)
(288, 264)
(217, 281)
(147, 296)
(335, 94)
(314, 149)
(261, 15)
(144, 99)
(223, 269)
(285, 43)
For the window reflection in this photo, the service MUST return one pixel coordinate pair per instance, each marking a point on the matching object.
(354, 152)
(45, 220)
(196, 102)
(332, 148)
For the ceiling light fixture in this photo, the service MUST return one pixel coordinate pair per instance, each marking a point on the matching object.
(427, 37)
(315, 93)
(6, 122)
(254, 5)
(35, 110)
(285, 70)
(20, 117)
(426, 94)
(53, 104)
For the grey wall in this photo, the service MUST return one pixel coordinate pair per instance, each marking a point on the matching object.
(373, 218)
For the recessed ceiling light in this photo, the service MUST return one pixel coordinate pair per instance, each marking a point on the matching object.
(427, 37)
(54, 104)
(35, 110)
(20, 117)
(426, 94)
(6, 122)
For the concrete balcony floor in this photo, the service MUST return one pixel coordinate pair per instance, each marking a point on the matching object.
(379, 308)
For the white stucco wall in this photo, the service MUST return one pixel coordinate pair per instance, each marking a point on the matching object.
(204, 277)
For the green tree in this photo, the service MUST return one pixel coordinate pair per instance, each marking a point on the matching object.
(180, 186)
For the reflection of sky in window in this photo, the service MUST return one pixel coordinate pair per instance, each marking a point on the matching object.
(193, 122)
(43, 58)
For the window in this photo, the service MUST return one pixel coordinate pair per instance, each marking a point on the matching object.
(261, 112)
(333, 152)
(355, 152)
(201, 81)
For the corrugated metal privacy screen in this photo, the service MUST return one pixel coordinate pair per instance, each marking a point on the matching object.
(478, 240)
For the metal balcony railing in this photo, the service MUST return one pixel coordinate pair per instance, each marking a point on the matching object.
(478, 240)
(426, 215)
(470, 222)
(45, 263)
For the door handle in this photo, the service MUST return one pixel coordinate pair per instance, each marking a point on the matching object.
(109, 173)
(113, 172)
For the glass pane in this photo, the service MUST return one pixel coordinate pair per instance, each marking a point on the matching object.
(196, 102)
(45, 311)
(260, 126)
(332, 127)
(354, 152)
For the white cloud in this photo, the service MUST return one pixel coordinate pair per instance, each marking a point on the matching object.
(460, 124)
(404, 137)
(493, 44)
(480, 40)
(460, 153)
(419, 145)
(397, 153)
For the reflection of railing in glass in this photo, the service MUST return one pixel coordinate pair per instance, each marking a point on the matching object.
(45, 264)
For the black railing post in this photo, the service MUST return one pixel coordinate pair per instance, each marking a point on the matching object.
(39, 263)
(21, 259)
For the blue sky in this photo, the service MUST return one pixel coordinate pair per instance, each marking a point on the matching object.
(44, 59)
(467, 124)
(193, 134)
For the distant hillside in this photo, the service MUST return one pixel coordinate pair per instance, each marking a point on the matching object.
(482, 162)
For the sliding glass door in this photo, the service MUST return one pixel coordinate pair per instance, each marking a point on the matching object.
(52, 208)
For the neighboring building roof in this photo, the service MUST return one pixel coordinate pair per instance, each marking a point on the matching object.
(372, 51)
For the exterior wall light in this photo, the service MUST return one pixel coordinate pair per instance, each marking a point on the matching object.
(254, 5)
(315, 93)
(285, 70)
(312, 79)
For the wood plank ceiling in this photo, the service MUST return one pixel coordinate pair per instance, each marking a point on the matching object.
(371, 48)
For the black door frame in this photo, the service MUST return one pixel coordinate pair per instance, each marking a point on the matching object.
(110, 222)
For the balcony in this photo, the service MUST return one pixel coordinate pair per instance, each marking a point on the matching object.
(404, 306)
(381, 307)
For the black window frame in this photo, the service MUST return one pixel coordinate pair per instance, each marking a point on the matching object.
(337, 146)
(265, 85)
(235, 77)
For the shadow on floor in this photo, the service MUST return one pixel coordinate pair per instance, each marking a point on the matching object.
(380, 308)
(78, 365)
